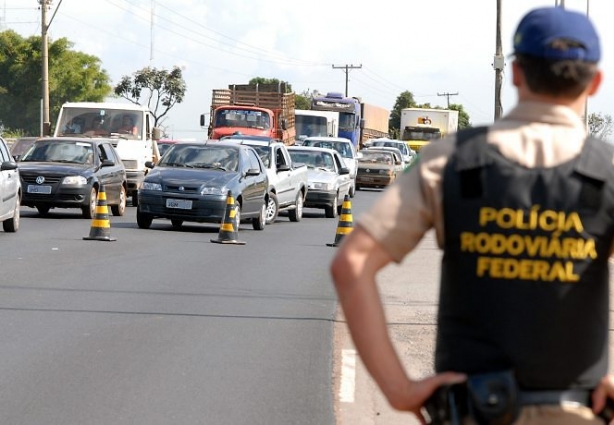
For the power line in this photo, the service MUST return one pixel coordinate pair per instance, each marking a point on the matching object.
(448, 96)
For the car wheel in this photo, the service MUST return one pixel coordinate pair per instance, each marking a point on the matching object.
(12, 224)
(43, 210)
(259, 222)
(352, 190)
(119, 209)
(297, 213)
(331, 211)
(237, 214)
(90, 210)
(176, 224)
(143, 220)
(135, 198)
(272, 208)
(357, 187)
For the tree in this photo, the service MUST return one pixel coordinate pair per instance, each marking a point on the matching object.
(600, 125)
(161, 89)
(73, 76)
(273, 82)
(463, 116)
(404, 100)
(303, 100)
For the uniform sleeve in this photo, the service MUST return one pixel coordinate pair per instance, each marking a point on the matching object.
(411, 206)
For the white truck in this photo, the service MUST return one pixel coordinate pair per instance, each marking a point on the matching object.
(310, 123)
(287, 182)
(419, 126)
(129, 127)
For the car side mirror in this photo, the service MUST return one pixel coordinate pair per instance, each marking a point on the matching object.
(150, 164)
(283, 167)
(253, 172)
(8, 165)
(156, 133)
(284, 124)
(107, 163)
(344, 170)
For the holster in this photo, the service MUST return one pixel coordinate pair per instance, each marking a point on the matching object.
(490, 399)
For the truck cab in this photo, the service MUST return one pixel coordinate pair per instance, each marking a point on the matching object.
(129, 127)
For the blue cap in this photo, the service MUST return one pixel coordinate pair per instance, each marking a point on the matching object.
(540, 27)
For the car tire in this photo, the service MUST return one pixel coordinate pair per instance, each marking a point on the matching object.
(272, 208)
(352, 190)
(259, 222)
(119, 209)
(176, 223)
(43, 209)
(237, 214)
(357, 187)
(297, 213)
(143, 220)
(90, 210)
(332, 211)
(12, 224)
(135, 199)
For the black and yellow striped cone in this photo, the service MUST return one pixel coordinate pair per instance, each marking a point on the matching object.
(101, 227)
(229, 229)
(346, 223)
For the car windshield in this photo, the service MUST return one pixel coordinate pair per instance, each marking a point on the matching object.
(342, 148)
(314, 159)
(377, 157)
(264, 152)
(401, 146)
(60, 151)
(202, 156)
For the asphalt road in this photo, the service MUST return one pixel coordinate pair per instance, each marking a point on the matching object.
(163, 326)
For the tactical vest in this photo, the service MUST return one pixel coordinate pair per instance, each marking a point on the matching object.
(525, 280)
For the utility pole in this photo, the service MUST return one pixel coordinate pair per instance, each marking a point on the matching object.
(448, 96)
(151, 34)
(347, 71)
(498, 65)
(46, 123)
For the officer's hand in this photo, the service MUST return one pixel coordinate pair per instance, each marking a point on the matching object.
(421, 390)
(603, 398)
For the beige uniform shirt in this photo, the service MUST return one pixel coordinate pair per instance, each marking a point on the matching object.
(533, 134)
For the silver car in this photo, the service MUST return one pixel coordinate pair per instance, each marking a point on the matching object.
(10, 190)
(346, 150)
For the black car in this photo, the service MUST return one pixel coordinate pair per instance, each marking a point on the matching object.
(192, 180)
(68, 173)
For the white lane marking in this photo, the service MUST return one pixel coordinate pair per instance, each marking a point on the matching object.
(348, 376)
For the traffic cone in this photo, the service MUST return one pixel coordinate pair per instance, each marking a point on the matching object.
(346, 223)
(229, 229)
(101, 227)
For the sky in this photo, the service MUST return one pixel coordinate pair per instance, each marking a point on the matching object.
(429, 48)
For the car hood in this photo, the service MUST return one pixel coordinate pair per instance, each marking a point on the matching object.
(52, 167)
(193, 176)
(314, 175)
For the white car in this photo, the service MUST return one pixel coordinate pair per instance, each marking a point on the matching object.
(10, 190)
(328, 180)
(346, 150)
(407, 152)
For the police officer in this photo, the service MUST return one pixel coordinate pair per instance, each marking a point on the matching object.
(524, 213)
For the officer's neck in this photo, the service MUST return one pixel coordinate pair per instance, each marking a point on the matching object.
(577, 104)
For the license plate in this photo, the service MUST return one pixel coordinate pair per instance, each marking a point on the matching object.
(182, 204)
(367, 179)
(39, 189)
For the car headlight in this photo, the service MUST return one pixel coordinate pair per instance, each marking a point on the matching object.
(213, 191)
(74, 180)
(151, 186)
(323, 186)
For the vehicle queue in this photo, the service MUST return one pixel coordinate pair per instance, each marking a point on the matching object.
(192, 180)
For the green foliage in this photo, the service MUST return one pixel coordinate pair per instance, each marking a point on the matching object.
(463, 116)
(404, 100)
(302, 102)
(271, 81)
(600, 125)
(73, 76)
(161, 89)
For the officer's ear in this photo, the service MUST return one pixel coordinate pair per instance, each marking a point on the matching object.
(595, 83)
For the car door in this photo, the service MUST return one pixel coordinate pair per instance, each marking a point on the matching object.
(253, 186)
(344, 179)
(285, 183)
(111, 176)
(9, 182)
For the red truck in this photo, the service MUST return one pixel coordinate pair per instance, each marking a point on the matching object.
(254, 110)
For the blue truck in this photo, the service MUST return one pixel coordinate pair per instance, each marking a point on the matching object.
(358, 121)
